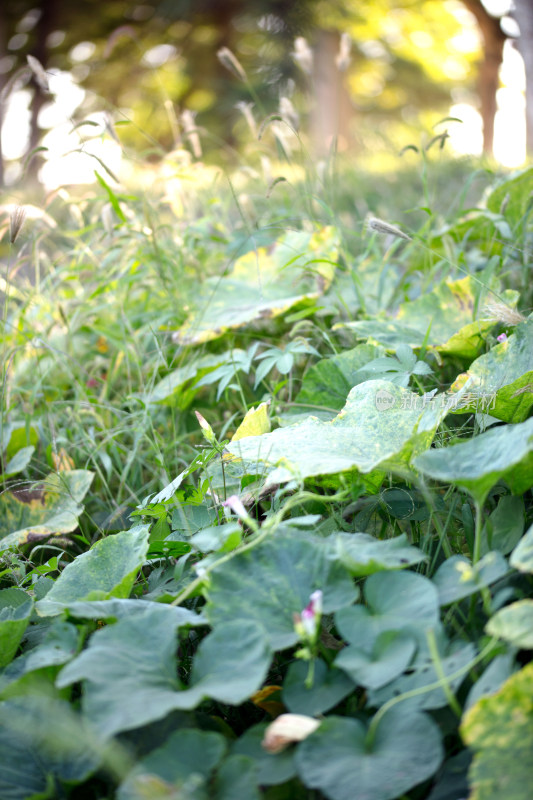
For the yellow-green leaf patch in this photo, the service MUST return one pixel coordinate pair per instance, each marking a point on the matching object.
(263, 284)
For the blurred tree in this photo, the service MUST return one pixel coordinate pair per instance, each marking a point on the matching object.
(523, 14)
(488, 82)
(153, 59)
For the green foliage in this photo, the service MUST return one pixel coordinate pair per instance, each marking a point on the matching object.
(498, 729)
(337, 533)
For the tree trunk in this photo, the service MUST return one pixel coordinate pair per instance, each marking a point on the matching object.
(3, 82)
(523, 14)
(45, 26)
(488, 82)
(331, 112)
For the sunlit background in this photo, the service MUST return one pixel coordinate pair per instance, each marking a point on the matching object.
(73, 151)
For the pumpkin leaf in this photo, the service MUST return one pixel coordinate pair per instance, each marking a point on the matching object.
(263, 284)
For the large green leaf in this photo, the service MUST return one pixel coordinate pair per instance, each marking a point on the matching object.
(501, 453)
(500, 731)
(41, 740)
(514, 624)
(117, 608)
(500, 382)
(522, 555)
(230, 665)
(453, 665)
(444, 318)
(373, 667)
(15, 611)
(328, 382)
(330, 686)
(363, 554)
(456, 578)
(343, 762)
(185, 761)
(273, 581)
(59, 644)
(48, 508)
(394, 601)
(505, 526)
(130, 673)
(130, 670)
(108, 569)
(513, 194)
(236, 779)
(263, 284)
(272, 768)
(380, 426)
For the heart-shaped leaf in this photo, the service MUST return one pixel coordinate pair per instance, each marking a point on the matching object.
(363, 554)
(272, 768)
(390, 655)
(130, 670)
(514, 624)
(394, 601)
(422, 674)
(456, 578)
(34, 752)
(273, 581)
(236, 778)
(108, 569)
(500, 453)
(186, 754)
(343, 762)
(330, 686)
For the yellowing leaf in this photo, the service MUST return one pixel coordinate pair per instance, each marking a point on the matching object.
(499, 382)
(263, 284)
(255, 422)
(62, 461)
(499, 729)
(268, 698)
(45, 509)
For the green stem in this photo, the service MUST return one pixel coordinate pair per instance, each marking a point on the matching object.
(374, 723)
(310, 679)
(478, 532)
(437, 663)
(443, 539)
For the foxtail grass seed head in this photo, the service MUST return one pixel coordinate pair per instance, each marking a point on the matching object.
(39, 74)
(303, 55)
(344, 56)
(288, 112)
(380, 226)
(191, 132)
(246, 111)
(16, 221)
(231, 62)
(502, 313)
